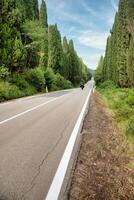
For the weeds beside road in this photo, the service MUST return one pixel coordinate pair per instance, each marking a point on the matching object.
(104, 168)
(121, 102)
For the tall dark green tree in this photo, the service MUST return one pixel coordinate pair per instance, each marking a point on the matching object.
(44, 51)
(99, 71)
(31, 9)
(65, 70)
(43, 14)
(55, 55)
(44, 24)
(130, 63)
(12, 51)
(74, 65)
(118, 60)
(130, 55)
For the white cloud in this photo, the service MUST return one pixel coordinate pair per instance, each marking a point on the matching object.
(115, 4)
(93, 39)
(89, 9)
(92, 60)
(71, 29)
(61, 11)
(107, 17)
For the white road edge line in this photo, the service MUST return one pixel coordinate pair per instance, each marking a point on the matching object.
(58, 179)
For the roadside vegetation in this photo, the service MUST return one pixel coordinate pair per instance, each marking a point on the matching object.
(33, 55)
(115, 73)
(121, 101)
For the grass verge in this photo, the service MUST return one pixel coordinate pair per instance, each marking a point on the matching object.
(121, 102)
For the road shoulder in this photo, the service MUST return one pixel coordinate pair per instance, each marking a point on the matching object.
(103, 168)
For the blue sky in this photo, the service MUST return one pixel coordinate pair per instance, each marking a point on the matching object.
(87, 22)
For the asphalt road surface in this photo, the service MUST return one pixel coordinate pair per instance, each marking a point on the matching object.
(34, 132)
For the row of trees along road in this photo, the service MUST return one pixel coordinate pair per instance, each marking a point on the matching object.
(118, 62)
(32, 52)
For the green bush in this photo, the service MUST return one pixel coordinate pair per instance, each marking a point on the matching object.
(124, 111)
(30, 90)
(35, 77)
(8, 91)
(4, 73)
(67, 84)
(11, 91)
(130, 98)
(14, 92)
(19, 81)
(121, 101)
(23, 85)
(50, 79)
(130, 127)
(56, 81)
(61, 82)
(107, 84)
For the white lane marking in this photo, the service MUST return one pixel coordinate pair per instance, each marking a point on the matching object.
(30, 97)
(58, 179)
(19, 99)
(29, 110)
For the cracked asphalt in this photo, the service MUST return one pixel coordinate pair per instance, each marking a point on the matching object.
(32, 144)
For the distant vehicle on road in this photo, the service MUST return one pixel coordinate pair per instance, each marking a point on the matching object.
(82, 86)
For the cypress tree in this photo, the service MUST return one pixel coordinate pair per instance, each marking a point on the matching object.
(130, 54)
(55, 53)
(74, 65)
(12, 51)
(44, 50)
(65, 58)
(43, 14)
(18, 56)
(118, 60)
(44, 24)
(36, 9)
(130, 63)
(99, 71)
(32, 10)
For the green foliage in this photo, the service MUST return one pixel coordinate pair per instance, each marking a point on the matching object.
(130, 127)
(19, 81)
(34, 30)
(35, 77)
(118, 64)
(55, 49)
(89, 74)
(11, 91)
(121, 101)
(30, 53)
(37, 50)
(31, 9)
(61, 83)
(4, 73)
(130, 98)
(18, 55)
(99, 72)
(44, 51)
(130, 63)
(43, 14)
(124, 111)
(8, 91)
(12, 53)
(50, 78)
(107, 85)
(56, 81)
